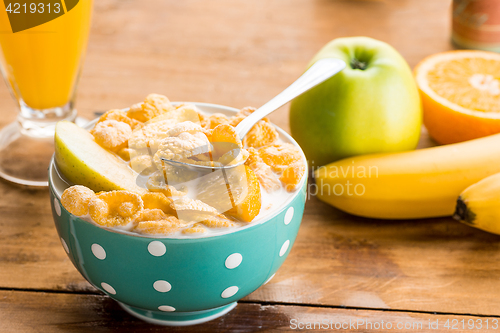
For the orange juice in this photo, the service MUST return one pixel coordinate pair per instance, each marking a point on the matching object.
(42, 63)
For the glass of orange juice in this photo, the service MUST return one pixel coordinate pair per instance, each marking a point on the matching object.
(42, 46)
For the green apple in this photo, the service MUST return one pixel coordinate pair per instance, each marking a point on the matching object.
(372, 106)
(82, 161)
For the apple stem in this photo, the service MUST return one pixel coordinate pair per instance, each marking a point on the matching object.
(356, 64)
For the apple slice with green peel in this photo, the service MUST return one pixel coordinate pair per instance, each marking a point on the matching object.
(82, 161)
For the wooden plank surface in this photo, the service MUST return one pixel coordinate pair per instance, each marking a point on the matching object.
(239, 53)
(48, 312)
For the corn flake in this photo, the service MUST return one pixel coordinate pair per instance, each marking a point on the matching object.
(246, 111)
(115, 208)
(234, 156)
(242, 114)
(76, 199)
(218, 221)
(143, 164)
(166, 226)
(179, 115)
(235, 121)
(153, 106)
(188, 204)
(179, 147)
(119, 115)
(156, 183)
(280, 156)
(191, 210)
(157, 200)
(248, 208)
(267, 178)
(185, 126)
(261, 134)
(125, 153)
(292, 175)
(214, 120)
(195, 229)
(150, 214)
(226, 133)
(112, 134)
(151, 134)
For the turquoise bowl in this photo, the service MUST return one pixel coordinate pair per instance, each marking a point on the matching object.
(179, 281)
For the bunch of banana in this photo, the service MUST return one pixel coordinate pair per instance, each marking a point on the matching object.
(479, 205)
(415, 184)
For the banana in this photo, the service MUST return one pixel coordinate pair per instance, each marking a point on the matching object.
(408, 185)
(479, 205)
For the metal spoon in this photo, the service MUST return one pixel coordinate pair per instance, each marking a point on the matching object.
(317, 73)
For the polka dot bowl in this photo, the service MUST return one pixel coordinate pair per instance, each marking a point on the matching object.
(179, 281)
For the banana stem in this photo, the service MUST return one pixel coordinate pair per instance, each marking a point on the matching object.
(462, 213)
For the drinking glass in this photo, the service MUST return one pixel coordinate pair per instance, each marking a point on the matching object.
(42, 46)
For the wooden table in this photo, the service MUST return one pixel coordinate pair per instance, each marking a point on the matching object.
(239, 53)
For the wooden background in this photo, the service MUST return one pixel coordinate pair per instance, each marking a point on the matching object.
(239, 53)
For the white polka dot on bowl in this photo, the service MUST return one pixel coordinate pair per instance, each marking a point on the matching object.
(270, 278)
(284, 247)
(166, 308)
(162, 286)
(108, 288)
(157, 248)
(229, 292)
(98, 251)
(57, 207)
(66, 248)
(288, 216)
(233, 261)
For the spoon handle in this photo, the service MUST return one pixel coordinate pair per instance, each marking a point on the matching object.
(317, 73)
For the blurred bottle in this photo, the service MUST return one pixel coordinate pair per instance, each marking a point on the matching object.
(476, 24)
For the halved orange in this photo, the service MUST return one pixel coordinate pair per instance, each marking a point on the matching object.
(460, 93)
